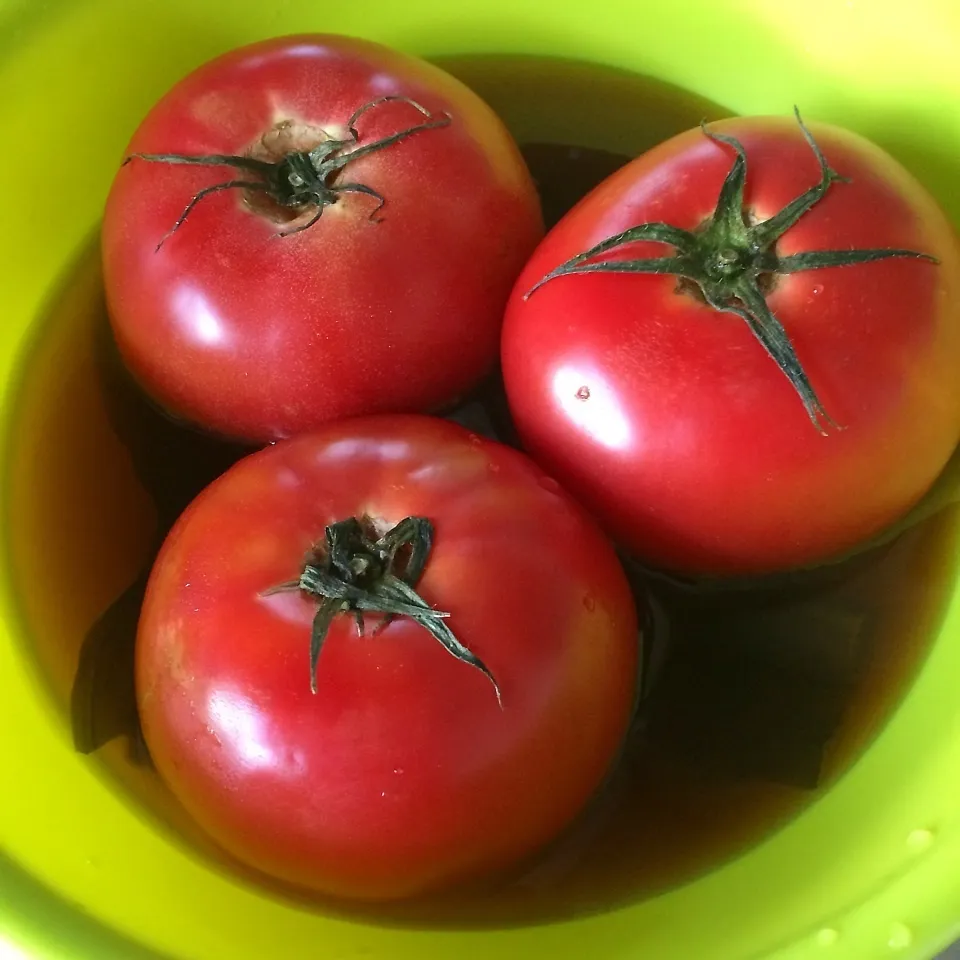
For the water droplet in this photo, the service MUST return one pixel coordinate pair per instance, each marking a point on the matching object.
(827, 937)
(900, 937)
(398, 770)
(476, 439)
(583, 393)
(589, 602)
(920, 840)
(548, 483)
(818, 289)
(383, 793)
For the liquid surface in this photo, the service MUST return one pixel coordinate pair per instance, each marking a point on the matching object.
(755, 701)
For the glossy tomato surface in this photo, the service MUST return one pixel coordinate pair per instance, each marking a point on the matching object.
(255, 336)
(669, 420)
(402, 773)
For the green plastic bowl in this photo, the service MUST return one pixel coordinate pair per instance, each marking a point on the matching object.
(869, 869)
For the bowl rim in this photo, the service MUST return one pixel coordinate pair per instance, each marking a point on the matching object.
(896, 887)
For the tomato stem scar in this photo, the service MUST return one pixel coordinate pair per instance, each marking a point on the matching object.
(733, 263)
(301, 178)
(353, 572)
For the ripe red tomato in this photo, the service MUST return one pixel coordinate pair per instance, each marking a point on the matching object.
(671, 420)
(256, 336)
(402, 773)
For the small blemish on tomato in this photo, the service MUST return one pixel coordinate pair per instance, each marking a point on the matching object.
(548, 483)
(289, 479)
(171, 647)
(583, 393)
(210, 109)
(589, 603)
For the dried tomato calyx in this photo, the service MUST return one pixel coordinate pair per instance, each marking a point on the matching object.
(356, 572)
(300, 179)
(732, 263)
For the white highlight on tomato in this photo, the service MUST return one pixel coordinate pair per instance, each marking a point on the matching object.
(236, 720)
(197, 317)
(384, 84)
(589, 403)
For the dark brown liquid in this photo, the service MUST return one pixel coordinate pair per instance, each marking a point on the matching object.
(755, 700)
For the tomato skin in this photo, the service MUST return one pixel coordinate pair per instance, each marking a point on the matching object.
(402, 774)
(669, 421)
(256, 338)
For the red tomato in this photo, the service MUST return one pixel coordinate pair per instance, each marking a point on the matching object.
(402, 773)
(398, 309)
(669, 419)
